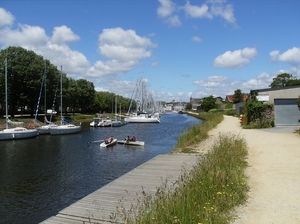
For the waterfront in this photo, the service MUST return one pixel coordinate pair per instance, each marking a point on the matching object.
(39, 177)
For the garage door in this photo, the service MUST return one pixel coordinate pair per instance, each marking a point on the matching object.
(286, 112)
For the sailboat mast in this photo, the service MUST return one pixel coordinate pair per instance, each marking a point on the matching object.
(45, 90)
(61, 107)
(6, 106)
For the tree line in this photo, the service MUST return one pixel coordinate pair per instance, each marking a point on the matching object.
(25, 70)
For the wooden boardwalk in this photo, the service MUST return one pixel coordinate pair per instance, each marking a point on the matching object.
(124, 192)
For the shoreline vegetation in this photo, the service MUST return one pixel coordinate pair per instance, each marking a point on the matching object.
(209, 193)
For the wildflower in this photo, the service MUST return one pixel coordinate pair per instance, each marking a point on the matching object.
(219, 192)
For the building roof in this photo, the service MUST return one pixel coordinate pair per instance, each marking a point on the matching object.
(230, 98)
(275, 89)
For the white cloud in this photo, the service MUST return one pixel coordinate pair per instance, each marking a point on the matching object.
(24, 36)
(291, 56)
(195, 11)
(62, 35)
(209, 10)
(235, 59)
(173, 21)
(196, 39)
(123, 48)
(211, 81)
(7, 19)
(224, 11)
(166, 8)
(124, 45)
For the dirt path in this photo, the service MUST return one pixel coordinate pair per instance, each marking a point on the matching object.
(274, 172)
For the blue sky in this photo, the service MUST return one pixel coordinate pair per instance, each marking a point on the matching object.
(181, 48)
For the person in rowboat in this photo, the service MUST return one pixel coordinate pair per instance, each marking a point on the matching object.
(133, 138)
(111, 139)
(106, 140)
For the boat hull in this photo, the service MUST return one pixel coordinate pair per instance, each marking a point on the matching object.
(138, 119)
(17, 133)
(103, 144)
(135, 143)
(65, 129)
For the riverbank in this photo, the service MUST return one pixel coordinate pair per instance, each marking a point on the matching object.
(274, 177)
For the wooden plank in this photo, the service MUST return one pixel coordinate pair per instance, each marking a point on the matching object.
(125, 191)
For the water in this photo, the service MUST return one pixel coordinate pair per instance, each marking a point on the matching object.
(39, 177)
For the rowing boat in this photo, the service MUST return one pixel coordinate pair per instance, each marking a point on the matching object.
(136, 143)
(113, 142)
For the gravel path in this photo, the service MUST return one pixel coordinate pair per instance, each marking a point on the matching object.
(274, 172)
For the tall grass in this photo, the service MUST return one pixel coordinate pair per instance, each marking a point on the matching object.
(198, 133)
(207, 194)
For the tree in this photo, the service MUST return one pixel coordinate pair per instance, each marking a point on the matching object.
(284, 79)
(188, 106)
(238, 96)
(208, 103)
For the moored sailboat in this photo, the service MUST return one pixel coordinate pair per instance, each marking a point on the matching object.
(63, 128)
(17, 132)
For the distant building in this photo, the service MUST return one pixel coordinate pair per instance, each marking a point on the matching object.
(196, 103)
(239, 107)
(284, 99)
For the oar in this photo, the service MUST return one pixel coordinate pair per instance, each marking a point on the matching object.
(95, 141)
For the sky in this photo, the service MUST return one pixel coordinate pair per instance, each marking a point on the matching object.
(181, 48)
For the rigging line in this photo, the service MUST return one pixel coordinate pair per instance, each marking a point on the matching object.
(39, 99)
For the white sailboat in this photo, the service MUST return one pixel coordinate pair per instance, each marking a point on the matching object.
(141, 116)
(44, 129)
(17, 132)
(63, 129)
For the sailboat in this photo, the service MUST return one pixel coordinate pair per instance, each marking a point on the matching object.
(141, 116)
(44, 129)
(63, 129)
(17, 132)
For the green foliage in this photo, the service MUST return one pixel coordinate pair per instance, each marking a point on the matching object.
(25, 71)
(238, 96)
(298, 101)
(208, 103)
(230, 112)
(229, 106)
(199, 132)
(255, 111)
(207, 194)
(284, 79)
(188, 106)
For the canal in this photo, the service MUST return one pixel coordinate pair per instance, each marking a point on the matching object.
(41, 176)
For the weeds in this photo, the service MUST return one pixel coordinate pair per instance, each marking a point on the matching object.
(207, 194)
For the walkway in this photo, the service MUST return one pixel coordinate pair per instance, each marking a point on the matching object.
(126, 190)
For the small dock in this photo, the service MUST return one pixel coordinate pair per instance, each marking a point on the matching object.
(125, 192)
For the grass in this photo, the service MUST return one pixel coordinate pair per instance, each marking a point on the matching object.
(197, 133)
(209, 193)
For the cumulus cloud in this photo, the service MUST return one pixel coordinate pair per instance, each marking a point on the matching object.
(25, 35)
(53, 48)
(7, 19)
(209, 10)
(196, 11)
(291, 56)
(166, 8)
(63, 34)
(235, 59)
(211, 81)
(123, 48)
(196, 39)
